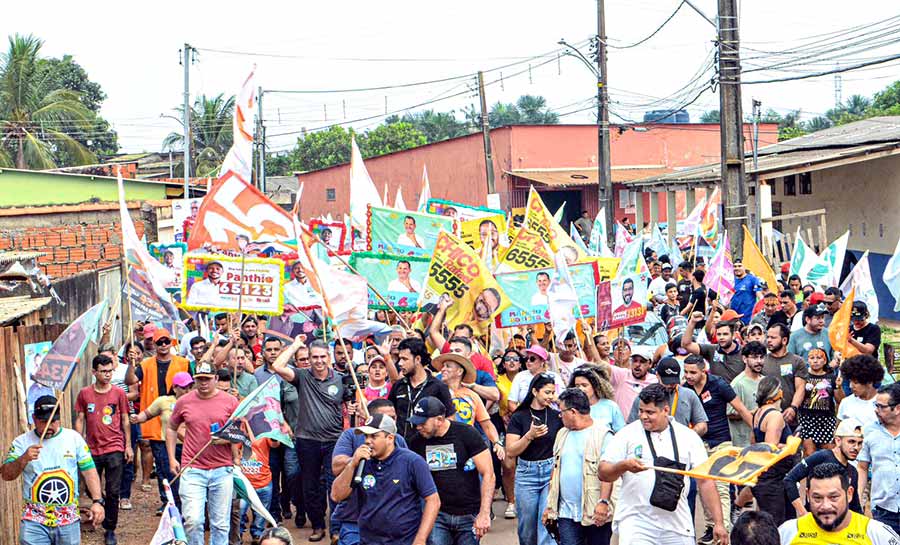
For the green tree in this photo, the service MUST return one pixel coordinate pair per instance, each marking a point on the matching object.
(534, 111)
(278, 164)
(887, 101)
(436, 126)
(504, 114)
(857, 104)
(211, 133)
(817, 124)
(321, 149)
(38, 116)
(710, 116)
(390, 138)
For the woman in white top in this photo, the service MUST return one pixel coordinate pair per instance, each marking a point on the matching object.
(535, 363)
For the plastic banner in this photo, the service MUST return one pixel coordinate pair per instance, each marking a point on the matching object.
(472, 232)
(184, 214)
(333, 234)
(399, 279)
(172, 256)
(527, 292)
(526, 252)
(213, 282)
(399, 232)
(459, 211)
(628, 299)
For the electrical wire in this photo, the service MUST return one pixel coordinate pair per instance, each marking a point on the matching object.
(652, 34)
(837, 70)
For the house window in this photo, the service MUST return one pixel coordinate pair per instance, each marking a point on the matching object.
(330, 194)
(790, 186)
(806, 183)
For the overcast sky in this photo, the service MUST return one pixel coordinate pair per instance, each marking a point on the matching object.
(133, 53)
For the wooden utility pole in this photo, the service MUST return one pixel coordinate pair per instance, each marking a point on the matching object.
(734, 189)
(186, 117)
(486, 132)
(604, 175)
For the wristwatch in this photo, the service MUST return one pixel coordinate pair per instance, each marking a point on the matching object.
(100, 501)
(604, 501)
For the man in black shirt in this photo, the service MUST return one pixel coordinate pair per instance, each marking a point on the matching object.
(848, 438)
(724, 358)
(684, 284)
(864, 336)
(461, 467)
(416, 384)
(697, 302)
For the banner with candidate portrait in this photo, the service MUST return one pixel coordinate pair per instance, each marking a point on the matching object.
(172, 256)
(473, 232)
(399, 279)
(333, 234)
(459, 211)
(539, 220)
(184, 215)
(398, 232)
(214, 282)
(458, 275)
(529, 297)
(628, 299)
(527, 251)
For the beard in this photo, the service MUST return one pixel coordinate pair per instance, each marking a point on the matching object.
(837, 520)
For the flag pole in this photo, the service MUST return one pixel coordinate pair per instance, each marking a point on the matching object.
(49, 420)
(20, 390)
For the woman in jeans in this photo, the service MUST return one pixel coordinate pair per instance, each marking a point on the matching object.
(529, 437)
(507, 369)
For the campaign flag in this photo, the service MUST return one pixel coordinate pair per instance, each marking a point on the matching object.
(755, 262)
(399, 203)
(239, 159)
(623, 239)
(627, 299)
(803, 258)
(560, 212)
(632, 258)
(891, 276)
(457, 273)
(741, 466)
(539, 220)
(709, 222)
(860, 279)
(827, 270)
(234, 207)
(686, 230)
(425, 193)
(573, 232)
(598, 244)
(171, 528)
(528, 293)
(839, 329)
(526, 251)
(59, 363)
(261, 409)
(362, 188)
(244, 490)
(657, 242)
(720, 273)
(561, 299)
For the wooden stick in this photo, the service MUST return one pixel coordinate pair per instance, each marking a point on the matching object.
(191, 461)
(20, 390)
(49, 420)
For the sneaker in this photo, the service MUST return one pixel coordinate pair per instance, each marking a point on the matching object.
(707, 538)
(159, 510)
(110, 538)
(125, 504)
(299, 521)
(317, 535)
(510, 512)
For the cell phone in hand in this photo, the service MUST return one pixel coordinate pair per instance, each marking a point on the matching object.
(536, 421)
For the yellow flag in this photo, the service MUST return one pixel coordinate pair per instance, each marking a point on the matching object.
(839, 330)
(540, 220)
(457, 273)
(742, 466)
(755, 262)
(526, 252)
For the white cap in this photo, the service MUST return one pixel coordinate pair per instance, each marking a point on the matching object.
(643, 351)
(849, 428)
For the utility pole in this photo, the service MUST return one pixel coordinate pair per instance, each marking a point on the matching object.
(486, 132)
(756, 226)
(261, 143)
(186, 115)
(734, 189)
(604, 174)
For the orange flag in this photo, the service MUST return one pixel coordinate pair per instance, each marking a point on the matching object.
(839, 330)
(755, 262)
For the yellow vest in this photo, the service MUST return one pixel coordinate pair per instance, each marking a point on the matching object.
(809, 533)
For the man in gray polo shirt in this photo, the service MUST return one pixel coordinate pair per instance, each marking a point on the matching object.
(688, 409)
(317, 426)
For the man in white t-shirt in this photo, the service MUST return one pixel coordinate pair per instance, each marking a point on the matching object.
(403, 283)
(632, 451)
(862, 373)
(205, 293)
(540, 297)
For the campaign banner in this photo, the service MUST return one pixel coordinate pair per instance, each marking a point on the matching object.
(457, 273)
(528, 293)
(456, 210)
(492, 227)
(333, 234)
(184, 215)
(527, 251)
(539, 220)
(604, 306)
(399, 232)
(399, 279)
(628, 299)
(213, 282)
(56, 369)
(172, 256)
(34, 356)
(607, 267)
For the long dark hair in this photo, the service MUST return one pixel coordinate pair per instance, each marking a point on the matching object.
(538, 382)
(501, 367)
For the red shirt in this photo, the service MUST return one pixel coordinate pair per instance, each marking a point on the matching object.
(480, 362)
(199, 415)
(103, 418)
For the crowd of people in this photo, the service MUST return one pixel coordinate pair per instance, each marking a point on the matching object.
(412, 440)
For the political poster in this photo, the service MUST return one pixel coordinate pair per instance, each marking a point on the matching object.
(458, 275)
(492, 228)
(399, 279)
(526, 251)
(604, 306)
(459, 211)
(539, 220)
(628, 299)
(55, 370)
(34, 356)
(213, 282)
(184, 215)
(606, 267)
(528, 293)
(333, 234)
(399, 232)
(172, 256)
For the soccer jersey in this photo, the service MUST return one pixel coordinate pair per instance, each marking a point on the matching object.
(861, 531)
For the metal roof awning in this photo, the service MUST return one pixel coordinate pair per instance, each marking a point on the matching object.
(13, 308)
(580, 177)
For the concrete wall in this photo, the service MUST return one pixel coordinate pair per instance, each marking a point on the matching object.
(30, 188)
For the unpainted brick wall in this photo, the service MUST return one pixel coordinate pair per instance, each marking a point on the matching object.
(70, 249)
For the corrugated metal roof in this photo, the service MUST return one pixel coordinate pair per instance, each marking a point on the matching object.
(12, 308)
(19, 255)
(578, 177)
(867, 131)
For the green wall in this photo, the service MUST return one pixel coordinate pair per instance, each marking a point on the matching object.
(28, 188)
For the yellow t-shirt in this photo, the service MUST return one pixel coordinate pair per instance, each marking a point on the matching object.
(861, 531)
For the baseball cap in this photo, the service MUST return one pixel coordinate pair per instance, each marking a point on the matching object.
(755, 325)
(149, 330)
(729, 315)
(426, 408)
(785, 268)
(182, 379)
(538, 351)
(204, 369)
(43, 407)
(619, 340)
(700, 261)
(815, 310)
(860, 309)
(667, 266)
(642, 351)
(162, 334)
(850, 427)
(815, 298)
(376, 423)
(669, 371)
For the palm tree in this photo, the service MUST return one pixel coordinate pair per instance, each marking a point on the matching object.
(857, 104)
(534, 111)
(35, 120)
(817, 124)
(211, 133)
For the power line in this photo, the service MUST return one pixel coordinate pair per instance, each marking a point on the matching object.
(652, 34)
(826, 72)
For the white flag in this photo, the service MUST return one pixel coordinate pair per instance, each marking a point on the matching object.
(861, 279)
(425, 194)
(561, 300)
(891, 276)
(240, 157)
(803, 258)
(827, 271)
(362, 189)
(399, 204)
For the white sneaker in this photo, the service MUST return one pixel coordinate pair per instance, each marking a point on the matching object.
(510, 512)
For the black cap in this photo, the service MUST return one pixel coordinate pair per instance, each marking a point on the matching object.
(860, 310)
(816, 310)
(669, 371)
(700, 261)
(43, 408)
(426, 408)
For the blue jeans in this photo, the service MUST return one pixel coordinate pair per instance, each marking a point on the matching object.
(32, 533)
(887, 517)
(202, 489)
(532, 487)
(128, 471)
(161, 459)
(259, 523)
(571, 532)
(453, 530)
(349, 533)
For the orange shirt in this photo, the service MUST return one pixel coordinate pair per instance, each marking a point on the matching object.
(469, 407)
(256, 467)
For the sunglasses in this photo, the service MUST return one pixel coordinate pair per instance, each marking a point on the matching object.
(534, 358)
(511, 359)
(163, 342)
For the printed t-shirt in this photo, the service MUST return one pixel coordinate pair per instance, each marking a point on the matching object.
(256, 466)
(860, 409)
(103, 415)
(469, 407)
(726, 365)
(869, 334)
(200, 415)
(378, 393)
(803, 341)
(542, 447)
(162, 407)
(861, 531)
(449, 459)
(50, 483)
